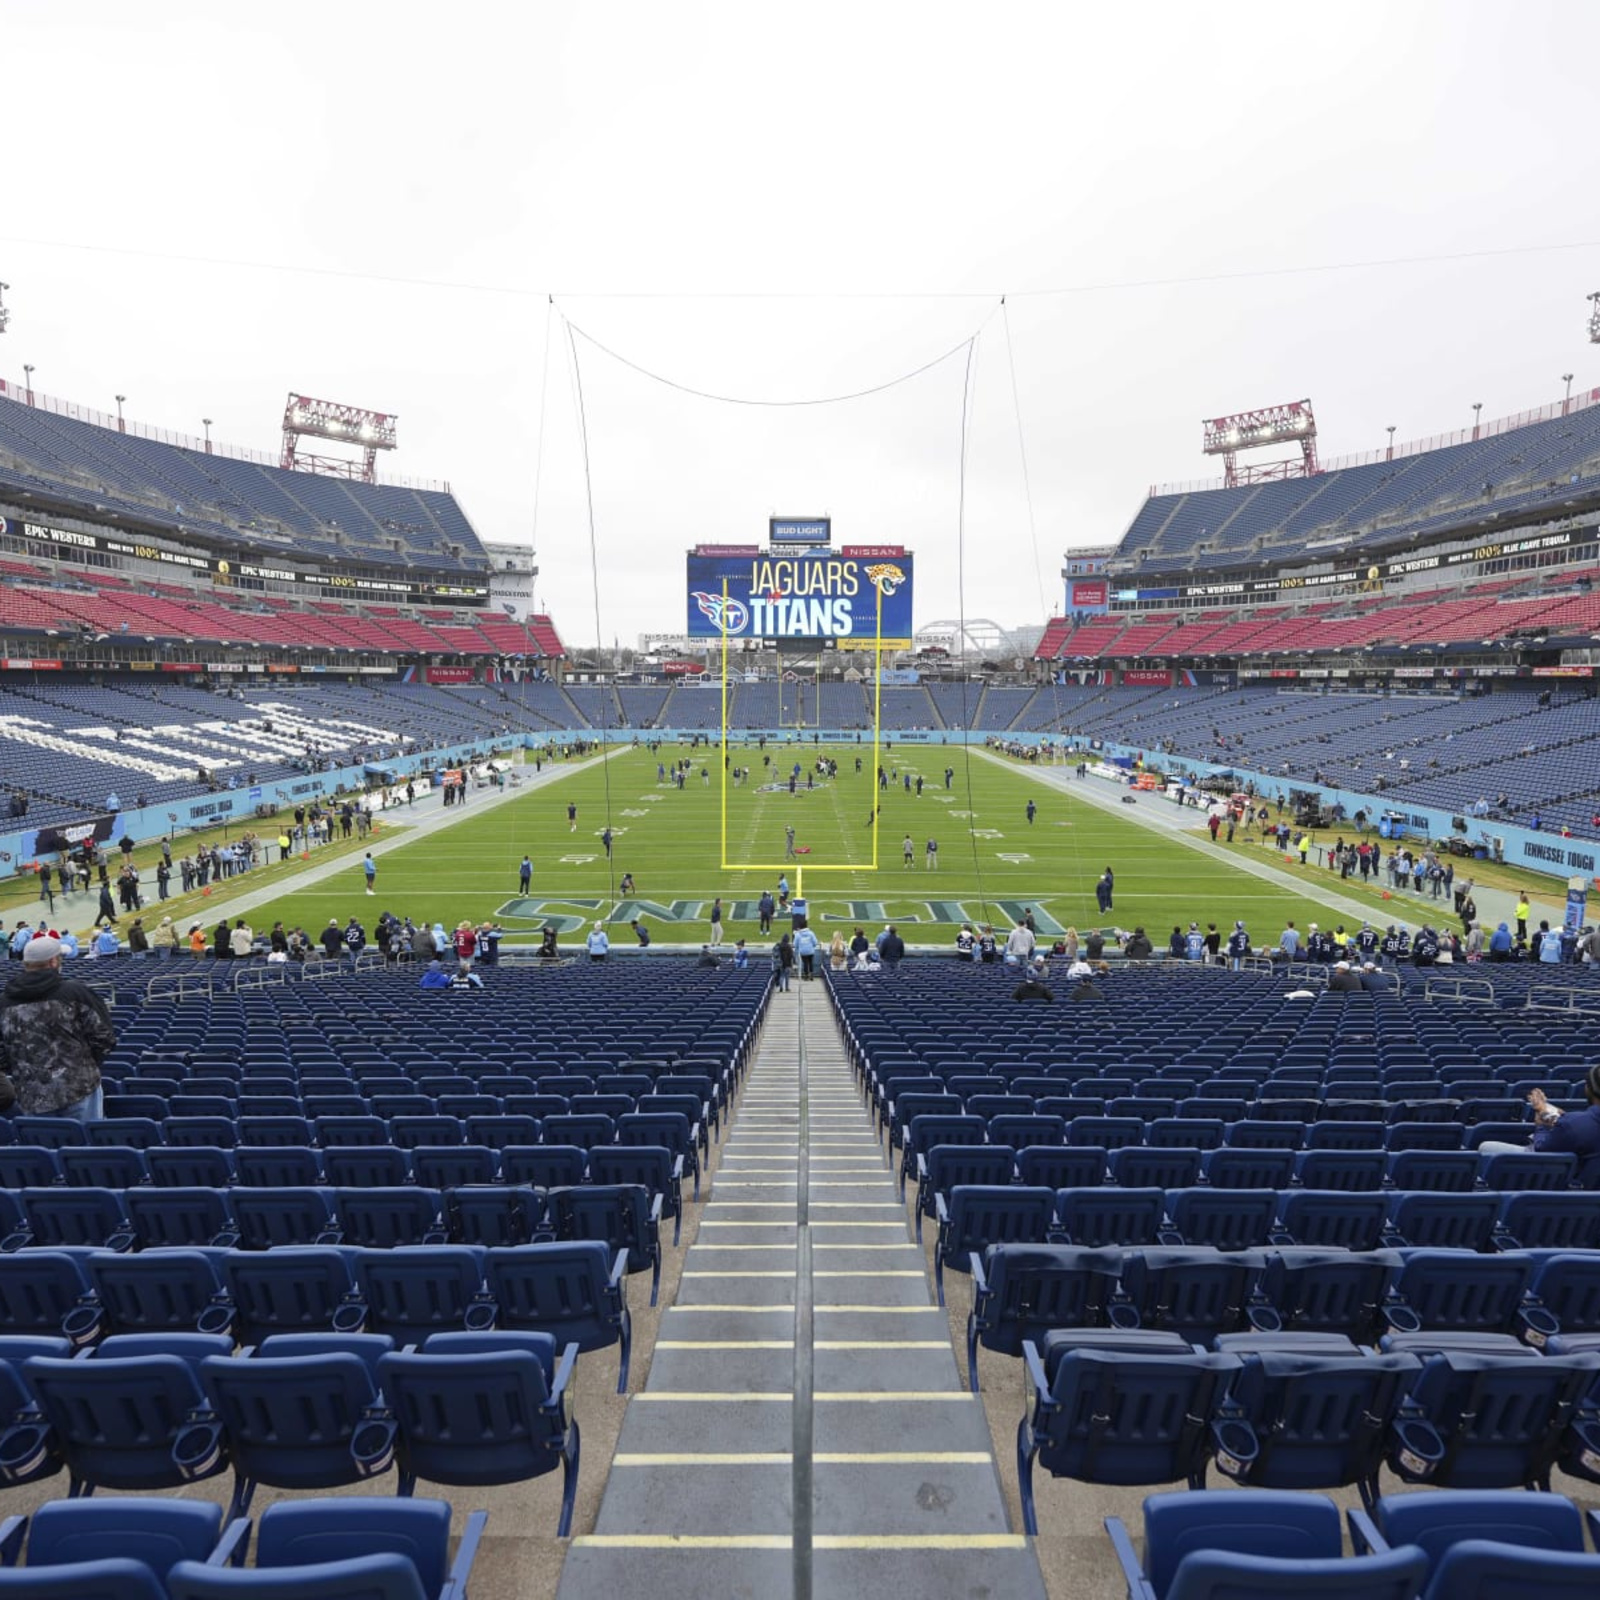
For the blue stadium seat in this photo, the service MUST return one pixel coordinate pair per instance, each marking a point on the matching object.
(307, 1534)
(1226, 1219)
(1194, 1292)
(975, 1216)
(572, 1290)
(943, 1167)
(311, 1421)
(1255, 1544)
(1310, 1421)
(1475, 1421)
(1332, 1219)
(496, 1417)
(1021, 1292)
(159, 1291)
(408, 1294)
(1109, 1418)
(626, 1218)
(286, 1290)
(1096, 1218)
(1340, 1292)
(117, 1417)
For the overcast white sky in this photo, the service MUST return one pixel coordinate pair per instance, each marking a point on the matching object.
(208, 205)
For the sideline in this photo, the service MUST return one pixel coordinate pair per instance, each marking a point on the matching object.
(1174, 822)
(428, 816)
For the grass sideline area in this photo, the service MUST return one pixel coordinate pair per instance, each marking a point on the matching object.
(991, 862)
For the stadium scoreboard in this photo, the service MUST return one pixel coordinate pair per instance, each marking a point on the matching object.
(811, 595)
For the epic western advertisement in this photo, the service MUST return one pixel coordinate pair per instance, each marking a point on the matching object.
(799, 597)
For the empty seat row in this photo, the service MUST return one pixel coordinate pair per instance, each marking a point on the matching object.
(1403, 1300)
(146, 1412)
(945, 1166)
(1262, 1544)
(157, 1548)
(657, 1165)
(975, 1216)
(1147, 1408)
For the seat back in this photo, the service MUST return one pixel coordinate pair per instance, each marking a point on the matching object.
(1032, 1288)
(1349, 1171)
(293, 1290)
(1143, 1167)
(1434, 1171)
(376, 1577)
(154, 1531)
(472, 1419)
(380, 1219)
(290, 1534)
(564, 1289)
(117, 1419)
(1324, 1219)
(1256, 1522)
(1538, 1219)
(1329, 1291)
(1453, 1291)
(1319, 1421)
(1109, 1216)
(1501, 1419)
(1234, 1168)
(1195, 1293)
(1060, 1166)
(1442, 1518)
(290, 1421)
(1490, 1570)
(985, 1214)
(408, 1294)
(168, 1291)
(1445, 1221)
(1121, 1419)
(38, 1290)
(273, 1218)
(1226, 1219)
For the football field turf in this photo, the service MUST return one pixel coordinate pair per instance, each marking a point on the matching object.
(992, 861)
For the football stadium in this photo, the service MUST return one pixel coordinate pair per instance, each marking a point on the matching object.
(843, 1091)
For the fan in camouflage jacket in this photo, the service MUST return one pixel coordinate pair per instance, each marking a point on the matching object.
(54, 1033)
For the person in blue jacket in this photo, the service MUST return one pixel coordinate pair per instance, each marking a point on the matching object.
(1557, 1132)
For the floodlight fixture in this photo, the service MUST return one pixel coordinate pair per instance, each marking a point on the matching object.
(305, 418)
(1293, 420)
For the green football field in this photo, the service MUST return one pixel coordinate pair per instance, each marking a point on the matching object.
(992, 861)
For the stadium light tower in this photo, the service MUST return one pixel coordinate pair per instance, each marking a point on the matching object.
(5, 316)
(1290, 423)
(1594, 318)
(121, 426)
(305, 418)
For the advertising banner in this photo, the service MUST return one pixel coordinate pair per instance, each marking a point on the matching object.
(798, 597)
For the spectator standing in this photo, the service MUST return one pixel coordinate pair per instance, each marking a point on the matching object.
(54, 1033)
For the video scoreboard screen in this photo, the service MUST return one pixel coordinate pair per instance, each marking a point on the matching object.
(767, 595)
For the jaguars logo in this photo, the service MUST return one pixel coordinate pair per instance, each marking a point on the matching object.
(886, 577)
(727, 616)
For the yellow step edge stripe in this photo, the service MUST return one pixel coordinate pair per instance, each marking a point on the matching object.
(879, 1344)
(843, 1396)
(682, 1541)
(919, 1541)
(726, 1344)
(827, 1458)
(789, 1309)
